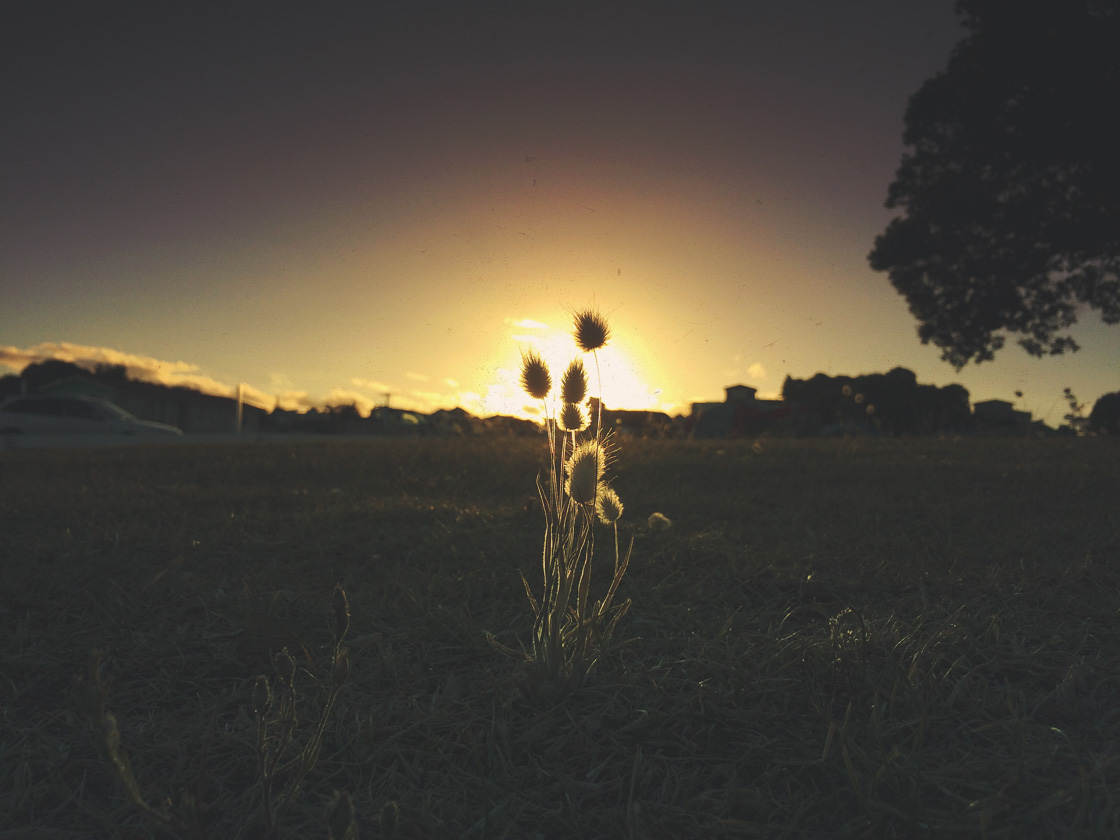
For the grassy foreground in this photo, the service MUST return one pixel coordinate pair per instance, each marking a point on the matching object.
(836, 638)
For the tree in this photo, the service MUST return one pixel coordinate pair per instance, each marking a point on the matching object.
(1105, 416)
(10, 385)
(40, 374)
(893, 402)
(113, 373)
(1010, 186)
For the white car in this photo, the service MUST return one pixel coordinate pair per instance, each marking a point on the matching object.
(40, 414)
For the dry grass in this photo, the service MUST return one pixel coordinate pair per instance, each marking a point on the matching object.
(836, 638)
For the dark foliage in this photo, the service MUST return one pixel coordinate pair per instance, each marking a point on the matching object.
(1010, 187)
(1105, 416)
(114, 373)
(10, 385)
(345, 411)
(892, 402)
(1075, 418)
(40, 374)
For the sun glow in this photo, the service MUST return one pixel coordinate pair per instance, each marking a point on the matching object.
(624, 380)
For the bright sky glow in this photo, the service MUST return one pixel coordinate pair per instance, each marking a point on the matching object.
(623, 380)
(391, 203)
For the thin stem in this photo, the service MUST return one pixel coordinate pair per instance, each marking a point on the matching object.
(616, 545)
(551, 452)
(599, 402)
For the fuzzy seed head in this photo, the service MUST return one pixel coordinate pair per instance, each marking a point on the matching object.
(572, 419)
(534, 375)
(585, 472)
(659, 522)
(573, 385)
(608, 506)
(592, 331)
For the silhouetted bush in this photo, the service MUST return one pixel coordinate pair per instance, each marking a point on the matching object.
(1105, 416)
(892, 403)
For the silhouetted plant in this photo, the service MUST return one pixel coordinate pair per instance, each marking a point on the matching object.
(570, 627)
(1075, 418)
(282, 764)
(1105, 416)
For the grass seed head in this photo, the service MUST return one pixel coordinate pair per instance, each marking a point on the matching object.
(659, 522)
(340, 604)
(592, 331)
(573, 385)
(572, 419)
(608, 506)
(534, 375)
(585, 472)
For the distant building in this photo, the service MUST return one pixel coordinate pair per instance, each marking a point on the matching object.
(455, 421)
(1000, 416)
(739, 393)
(629, 422)
(739, 414)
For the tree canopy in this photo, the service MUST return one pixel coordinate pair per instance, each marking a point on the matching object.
(1105, 417)
(1010, 184)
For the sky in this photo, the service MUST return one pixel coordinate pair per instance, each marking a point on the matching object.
(394, 201)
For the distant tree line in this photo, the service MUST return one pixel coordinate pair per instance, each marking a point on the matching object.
(40, 374)
(141, 397)
(892, 403)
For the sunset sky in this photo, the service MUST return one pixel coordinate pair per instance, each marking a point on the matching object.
(332, 204)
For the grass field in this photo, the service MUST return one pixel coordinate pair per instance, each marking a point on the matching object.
(846, 638)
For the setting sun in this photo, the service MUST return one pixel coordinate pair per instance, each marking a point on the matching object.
(473, 419)
(625, 381)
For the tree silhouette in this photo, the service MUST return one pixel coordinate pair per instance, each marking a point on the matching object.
(1010, 187)
(111, 373)
(10, 385)
(1105, 416)
(40, 374)
(893, 402)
